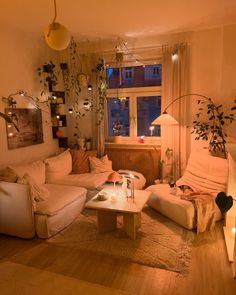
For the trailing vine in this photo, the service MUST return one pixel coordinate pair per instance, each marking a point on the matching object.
(102, 90)
(48, 76)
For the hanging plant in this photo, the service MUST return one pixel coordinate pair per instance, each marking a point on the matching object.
(213, 128)
(102, 90)
(48, 76)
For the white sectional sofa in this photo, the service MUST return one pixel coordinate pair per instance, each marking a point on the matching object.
(60, 197)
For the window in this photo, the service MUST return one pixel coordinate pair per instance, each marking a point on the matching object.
(128, 73)
(139, 76)
(118, 116)
(133, 100)
(148, 108)
(156, 71)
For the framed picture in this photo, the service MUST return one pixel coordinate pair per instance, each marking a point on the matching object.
(29, 122)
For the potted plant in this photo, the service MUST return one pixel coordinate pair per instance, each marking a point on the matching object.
(210, 125)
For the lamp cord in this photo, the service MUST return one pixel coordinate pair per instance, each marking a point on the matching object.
(195, 94)
(55, 11)
(53, 21)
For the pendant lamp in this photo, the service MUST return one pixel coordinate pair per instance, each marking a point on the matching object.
(56, 35)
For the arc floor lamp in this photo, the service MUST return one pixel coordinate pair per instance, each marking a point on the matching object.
(166, 119)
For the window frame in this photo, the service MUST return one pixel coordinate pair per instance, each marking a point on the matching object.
(132, 93)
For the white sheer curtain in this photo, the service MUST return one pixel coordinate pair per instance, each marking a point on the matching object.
(175, 73)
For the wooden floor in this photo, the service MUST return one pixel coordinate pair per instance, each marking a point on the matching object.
(210, 272)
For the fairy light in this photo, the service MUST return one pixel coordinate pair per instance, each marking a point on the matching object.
(174, 56)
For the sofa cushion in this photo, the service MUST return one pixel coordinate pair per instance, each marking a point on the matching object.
(38, 192)
(87, 180)
(172, 206)
(36, 170)
(60, 197)
(8, 175)
(80, 160)
(179, 210)
(58, 166)
(100, 165)
(205, 173)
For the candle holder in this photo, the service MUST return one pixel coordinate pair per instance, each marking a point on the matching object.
(131, 180)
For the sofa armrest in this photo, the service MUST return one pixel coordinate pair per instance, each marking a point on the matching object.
(16, 210)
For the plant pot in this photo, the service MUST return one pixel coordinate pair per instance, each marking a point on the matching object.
(117, 139)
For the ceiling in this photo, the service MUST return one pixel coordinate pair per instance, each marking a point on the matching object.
(106, 19)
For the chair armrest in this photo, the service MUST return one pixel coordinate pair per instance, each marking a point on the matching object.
(16, 210)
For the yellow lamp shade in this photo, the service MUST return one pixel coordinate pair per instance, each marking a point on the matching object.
(57, 36)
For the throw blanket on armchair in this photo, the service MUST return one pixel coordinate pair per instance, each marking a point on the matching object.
(205, 206)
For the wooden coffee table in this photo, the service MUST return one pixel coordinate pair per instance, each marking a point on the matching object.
(130, 209)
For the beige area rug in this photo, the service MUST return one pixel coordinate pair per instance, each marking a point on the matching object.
(20, 279)
(160, 242)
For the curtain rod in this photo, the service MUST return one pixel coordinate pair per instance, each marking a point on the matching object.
(151, 47)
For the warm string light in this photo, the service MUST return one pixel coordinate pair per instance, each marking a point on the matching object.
(174, 56)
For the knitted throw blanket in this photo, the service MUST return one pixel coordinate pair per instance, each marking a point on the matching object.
(205, 206)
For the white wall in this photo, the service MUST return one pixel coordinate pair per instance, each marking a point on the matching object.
(20, 55)
(213, 68)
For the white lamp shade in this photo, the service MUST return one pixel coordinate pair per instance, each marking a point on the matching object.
(164, 119)
(57, 36)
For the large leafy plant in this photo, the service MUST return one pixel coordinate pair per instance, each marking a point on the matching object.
(210, 124)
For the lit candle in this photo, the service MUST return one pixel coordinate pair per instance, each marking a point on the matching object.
(113, 198)
(141, 139)
(151, 128)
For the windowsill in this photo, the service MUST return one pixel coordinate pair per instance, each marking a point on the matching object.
(133, 143)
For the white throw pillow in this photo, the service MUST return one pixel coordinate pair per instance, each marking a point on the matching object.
(59, 166)
(100, 165)
(38, 192)
(36, 170)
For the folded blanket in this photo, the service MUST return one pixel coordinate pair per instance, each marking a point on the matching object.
(205, 206)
